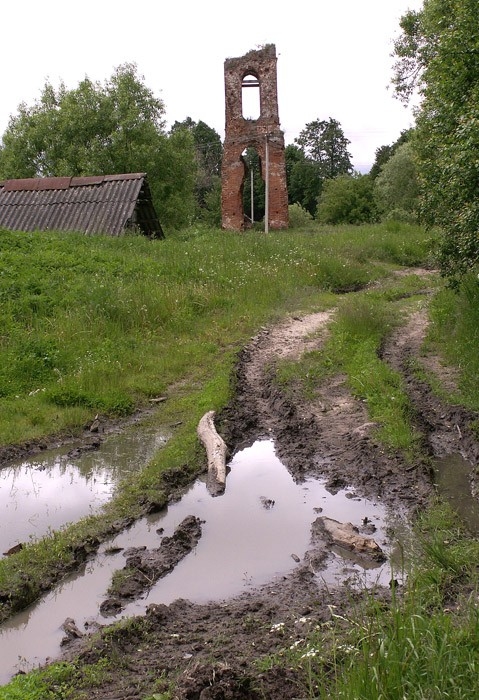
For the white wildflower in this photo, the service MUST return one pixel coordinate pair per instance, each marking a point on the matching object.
(347, 648)
(296, 643)
(302, 620)
(310, 653)
(277, 627)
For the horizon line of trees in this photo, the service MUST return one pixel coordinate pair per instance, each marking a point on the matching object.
(119, 126)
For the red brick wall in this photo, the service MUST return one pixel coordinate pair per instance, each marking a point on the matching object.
(243, 133)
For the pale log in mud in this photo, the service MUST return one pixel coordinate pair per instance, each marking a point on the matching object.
(215, 452)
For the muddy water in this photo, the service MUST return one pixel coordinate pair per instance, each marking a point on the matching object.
(249, 536)
(52, 489)
(453, 482)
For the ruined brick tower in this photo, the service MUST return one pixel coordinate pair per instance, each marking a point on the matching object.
(255, 69)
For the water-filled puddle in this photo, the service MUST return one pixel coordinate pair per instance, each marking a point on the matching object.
(453, 483)
(249, 536)
(52, 489)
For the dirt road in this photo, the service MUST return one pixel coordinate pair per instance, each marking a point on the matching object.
(211, 651)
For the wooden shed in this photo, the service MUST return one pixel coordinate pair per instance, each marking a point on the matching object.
(108, 204)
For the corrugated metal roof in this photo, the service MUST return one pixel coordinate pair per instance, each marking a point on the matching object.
(94, 204)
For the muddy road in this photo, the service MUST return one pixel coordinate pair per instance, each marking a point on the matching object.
(210, 651)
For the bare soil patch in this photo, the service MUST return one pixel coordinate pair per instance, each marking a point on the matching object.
(145, 566)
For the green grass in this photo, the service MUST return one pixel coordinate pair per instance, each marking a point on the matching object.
(53, 684)
(454, 335)
(60, 681)
(362, 326)
(100, 325)
(95, 324)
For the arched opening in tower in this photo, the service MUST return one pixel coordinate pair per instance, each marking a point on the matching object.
(250, 97)
(253, 187)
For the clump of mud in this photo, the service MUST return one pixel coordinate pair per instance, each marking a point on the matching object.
(144, 567)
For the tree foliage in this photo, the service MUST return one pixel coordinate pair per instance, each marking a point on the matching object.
(384, 153)
(438, 53)
(325, 144)
(319, 153)
(211, 212)
(208, 157)
(298, 217)
(396, 189)
(411, 49)
(347, 199)
(303, 178)
(115, 127)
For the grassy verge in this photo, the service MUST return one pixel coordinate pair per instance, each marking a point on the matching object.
(454, 335)
(201, 296)
(101, 325)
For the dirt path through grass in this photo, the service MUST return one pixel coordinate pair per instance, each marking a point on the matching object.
(227, 650)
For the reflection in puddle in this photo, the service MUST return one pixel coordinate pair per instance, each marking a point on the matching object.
(247, 540)
(453, 474)
(52, 489)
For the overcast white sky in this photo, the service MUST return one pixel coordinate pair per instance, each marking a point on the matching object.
(333, 57)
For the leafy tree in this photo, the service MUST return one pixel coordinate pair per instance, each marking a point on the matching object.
(303, 179)
(208, 156)
(292, 155)
(396, 189)
(325, 144)
(319, 153)
(384, 153)
(417, 45)
(211, 212)
(347, 199)
(208, 142)
(115, 127)
(298, 217)
(173, 179)
(437, 53)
